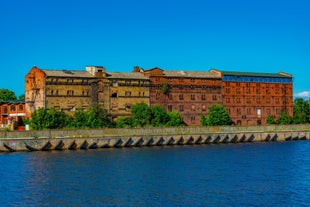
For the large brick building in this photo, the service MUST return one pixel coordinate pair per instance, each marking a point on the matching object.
(251, 97)
(69, 90)
(190, 93)
(248, 97)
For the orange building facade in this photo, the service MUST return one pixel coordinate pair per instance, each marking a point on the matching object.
(12, 113)
(251, 97)
(248, 97)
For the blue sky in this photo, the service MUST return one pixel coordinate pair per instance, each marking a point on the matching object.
(231, 35)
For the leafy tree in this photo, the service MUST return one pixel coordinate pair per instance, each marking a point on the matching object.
(7, 95)
(38, 119)
(270, 120)
(165, 88)
(78, 119)
(21, 97)
(56, 119)
(301, 111)
(203, 120)
(123, 122)
(141, 115)
(49, 119)
(96, 117)
(175, 119)
(218, 116)
(284, 118)
(159, 116)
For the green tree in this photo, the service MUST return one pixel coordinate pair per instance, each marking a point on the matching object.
(78, 119)
(96, 117)
(301, 111)
(21, 97)
(7, 95)
(141, 115)
(159, 116)
(123, 122)
(165, 88)
(284, 118)
(38, 119)
(203, 120)
(56, 119)
(218, 116)
(175, 119)
(270, 120)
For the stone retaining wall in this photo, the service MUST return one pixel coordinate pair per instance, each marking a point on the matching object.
(104, 138)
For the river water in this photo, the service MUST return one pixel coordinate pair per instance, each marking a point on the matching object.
(250, 174)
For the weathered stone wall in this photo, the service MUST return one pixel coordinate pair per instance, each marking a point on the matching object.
(92, 139)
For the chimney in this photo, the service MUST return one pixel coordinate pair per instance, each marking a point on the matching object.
(136, 69)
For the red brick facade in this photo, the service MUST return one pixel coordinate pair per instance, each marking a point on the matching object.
(251, 97)
(189, 93)
(11, 113)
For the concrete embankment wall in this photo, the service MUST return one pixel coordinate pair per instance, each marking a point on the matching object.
(104, 138)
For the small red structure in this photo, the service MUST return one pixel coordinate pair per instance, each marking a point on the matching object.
(12, 113)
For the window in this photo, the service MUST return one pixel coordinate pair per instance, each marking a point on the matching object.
(227, 90)
(267, 100)
(248, 100)
(193, 118)
(247, 90)
(114, 94)
(192, 96)
(214, 98)
(277, 100)
(169, 107)
(13, 108)
(258, 111)
(238, 100)
(277, 91)
(227, 100)
(248, 111)
(238, 90)
(268, 111)
(258, 100)
(21, 107)
(238, 111)
(157, 96)
(170, 96)
(181, 108)
(203, 97)
(181, 97)
(127, 93)
(5, 109)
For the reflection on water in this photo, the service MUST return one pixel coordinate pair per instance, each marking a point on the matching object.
(256, 174)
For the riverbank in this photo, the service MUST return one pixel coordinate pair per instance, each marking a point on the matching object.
(43, 140)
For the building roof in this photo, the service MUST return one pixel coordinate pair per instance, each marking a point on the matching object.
(124, 75)
(68, 73)
(190, 74)
(273, 75)
(12, 102)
